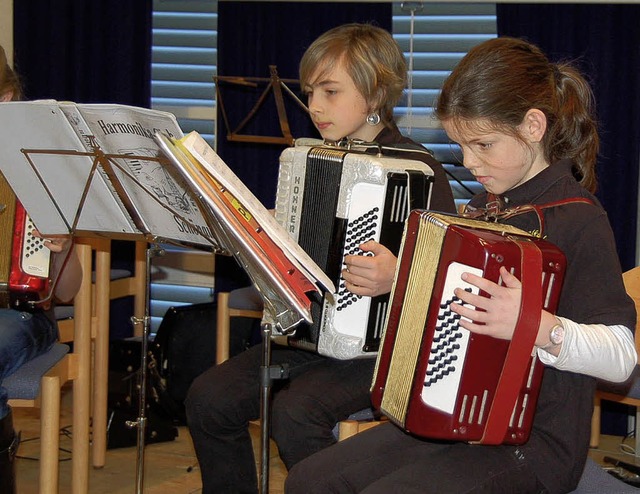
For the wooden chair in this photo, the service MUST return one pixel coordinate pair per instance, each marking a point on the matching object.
(106, 285)
(110, 285)
(627, 393)
(356, 423)
(64, 367)
(242, 302)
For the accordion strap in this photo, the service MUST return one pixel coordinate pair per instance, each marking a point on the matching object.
(513, 372)
(495, 213)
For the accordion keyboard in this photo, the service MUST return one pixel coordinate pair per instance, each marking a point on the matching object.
(449, 346)
(35, 257)
(359, 230)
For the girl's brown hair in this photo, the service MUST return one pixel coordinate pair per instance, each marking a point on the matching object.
(501, 79)
(9, 81)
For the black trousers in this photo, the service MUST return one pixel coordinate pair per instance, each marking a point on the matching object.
(305, 408)
(386, 460)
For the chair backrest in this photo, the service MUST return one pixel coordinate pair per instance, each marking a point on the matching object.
(631, 280)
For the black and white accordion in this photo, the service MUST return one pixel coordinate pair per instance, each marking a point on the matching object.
(331, 200)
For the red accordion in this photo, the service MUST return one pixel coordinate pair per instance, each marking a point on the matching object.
(438, 380)
(24, 267)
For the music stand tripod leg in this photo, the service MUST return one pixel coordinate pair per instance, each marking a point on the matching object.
(268, 374)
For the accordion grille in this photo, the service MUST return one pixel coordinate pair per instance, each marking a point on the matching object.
(321, 191)
(410, 326)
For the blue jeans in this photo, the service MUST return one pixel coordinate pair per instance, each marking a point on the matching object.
(23, 336)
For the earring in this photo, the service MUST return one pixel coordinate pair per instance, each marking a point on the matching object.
(373, 118)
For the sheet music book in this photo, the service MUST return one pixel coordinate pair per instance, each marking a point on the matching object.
(47, 151)
(281, 270)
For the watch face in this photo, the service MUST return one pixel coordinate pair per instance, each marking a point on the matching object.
(556, 334)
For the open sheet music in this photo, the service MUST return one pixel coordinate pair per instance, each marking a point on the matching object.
(48, 152)
(281, 270)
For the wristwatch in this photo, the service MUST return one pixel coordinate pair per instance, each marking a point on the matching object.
(556, 336)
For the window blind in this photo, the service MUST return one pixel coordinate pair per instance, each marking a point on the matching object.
(184, 61)
(434, 37)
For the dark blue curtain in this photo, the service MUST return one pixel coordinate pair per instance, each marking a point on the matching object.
(603, 41)
(251, 37)
(88, 51)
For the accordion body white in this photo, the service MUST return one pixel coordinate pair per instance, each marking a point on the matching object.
(331, 200)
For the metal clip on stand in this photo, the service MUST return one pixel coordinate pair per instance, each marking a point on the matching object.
(141, 422)
(268, 374)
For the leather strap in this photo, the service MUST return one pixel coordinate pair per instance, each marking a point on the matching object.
(523, 340)
(494, 212)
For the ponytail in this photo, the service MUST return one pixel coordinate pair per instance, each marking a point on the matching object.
(500, 80)
(574, 133)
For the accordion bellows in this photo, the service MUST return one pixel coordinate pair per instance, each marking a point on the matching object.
(438, 380)
(331, 200)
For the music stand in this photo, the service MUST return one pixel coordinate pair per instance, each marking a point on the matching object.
(108, 163)
(75, 185)
(285, 277)
(279, 87)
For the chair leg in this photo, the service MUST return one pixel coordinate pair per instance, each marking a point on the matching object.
(101, 354)
(49, 434)
(222, 328)
(595, 422)
(82, 380)
(81, 437)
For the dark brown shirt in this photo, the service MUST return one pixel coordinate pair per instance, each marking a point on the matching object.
(593, 292)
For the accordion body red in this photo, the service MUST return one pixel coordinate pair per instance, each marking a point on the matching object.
(437, 380)
(25, 266)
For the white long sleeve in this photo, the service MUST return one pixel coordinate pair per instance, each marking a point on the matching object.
(604, 352)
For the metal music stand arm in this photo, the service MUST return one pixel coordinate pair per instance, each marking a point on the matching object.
(141, 422)
(268, 374)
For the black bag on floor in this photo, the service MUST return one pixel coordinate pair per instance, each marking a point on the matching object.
(184, 347)
(120, 434)
(124, 400)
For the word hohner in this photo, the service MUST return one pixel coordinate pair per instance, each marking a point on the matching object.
(331, 200)
(438, 380)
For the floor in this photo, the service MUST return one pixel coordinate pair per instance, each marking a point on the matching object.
(171, 466)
